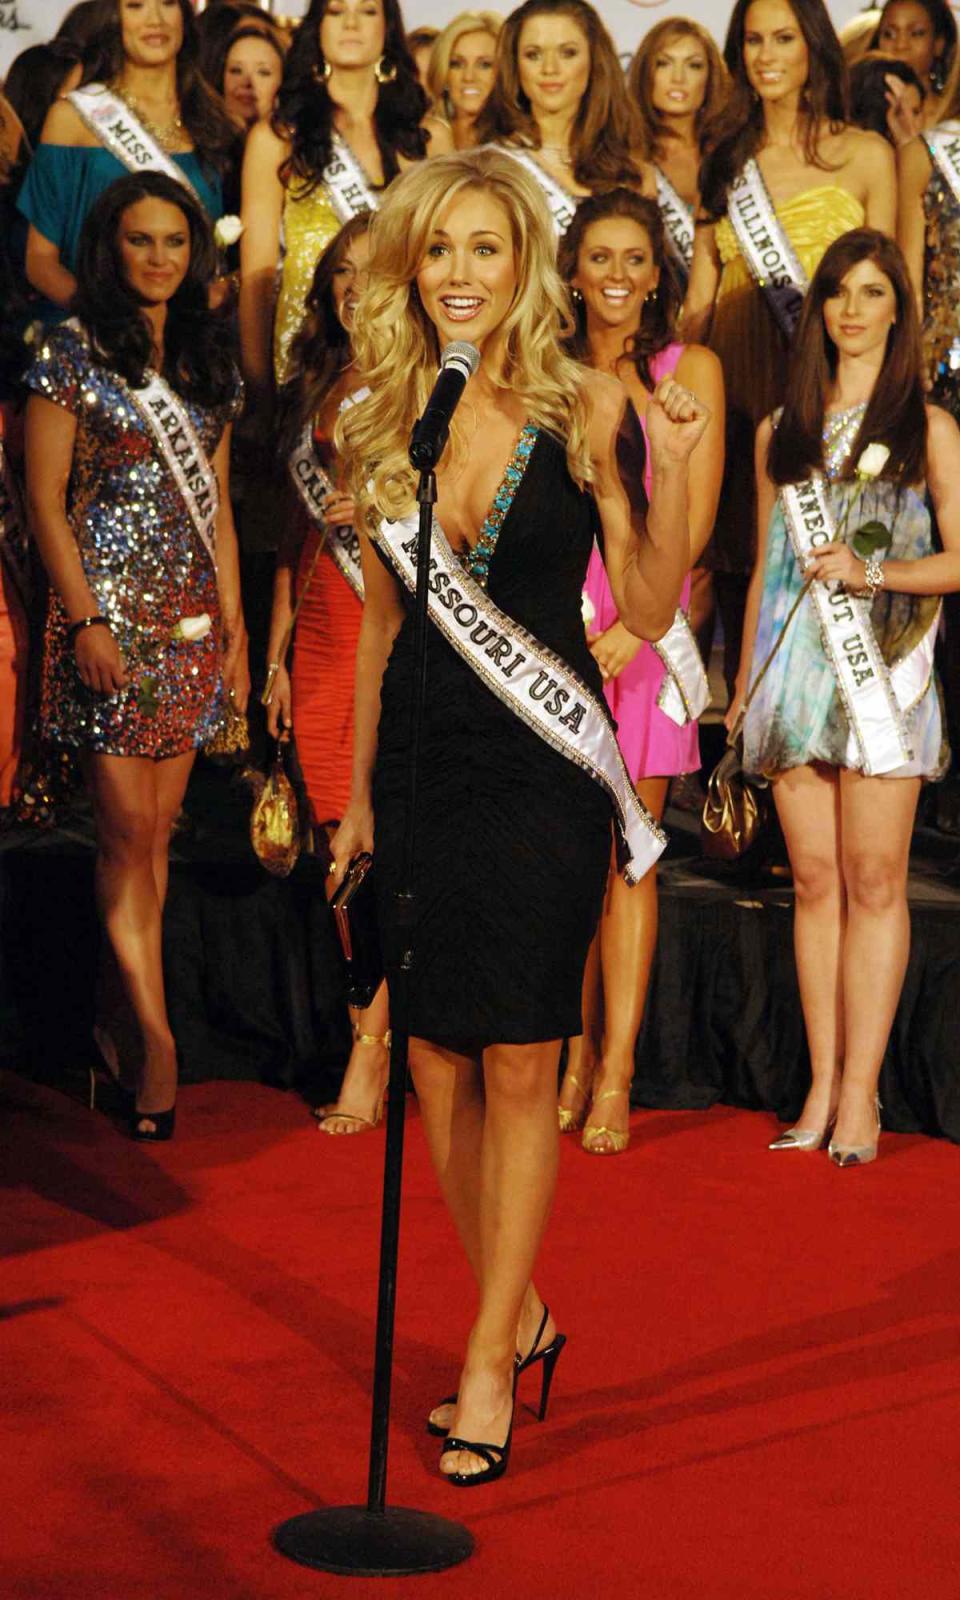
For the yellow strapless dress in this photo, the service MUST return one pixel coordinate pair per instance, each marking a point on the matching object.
(309, 223)
(753, 354)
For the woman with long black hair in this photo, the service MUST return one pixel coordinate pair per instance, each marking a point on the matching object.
(846, 718)
(142, 103)
(128, 436)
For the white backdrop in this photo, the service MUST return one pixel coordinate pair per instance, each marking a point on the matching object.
(25, 22)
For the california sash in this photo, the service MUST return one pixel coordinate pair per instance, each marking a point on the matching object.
(685, 693)
(765, 246)
(346, 182)
(122, 133)
(678, 222)
(943, 143)
(13, 528)
(874, 698)
(562, 205)
(314, 487)
(529, 679)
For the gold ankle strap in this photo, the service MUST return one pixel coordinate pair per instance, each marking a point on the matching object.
(371, 1038)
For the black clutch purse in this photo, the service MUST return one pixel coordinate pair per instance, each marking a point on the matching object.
(355, 912)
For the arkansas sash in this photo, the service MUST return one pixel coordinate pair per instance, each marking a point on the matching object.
(314, 488)
(678, 223)
(685, 692)
(874, 697)
(560, 202)
(528, 678)
(346, 182)
(765, 246)
(122, 133)
(943, 143)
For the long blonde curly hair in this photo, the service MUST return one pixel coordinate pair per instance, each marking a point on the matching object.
(396, 347)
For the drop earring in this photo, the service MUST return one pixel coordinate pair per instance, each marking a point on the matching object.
(385, 71)
(320, 71)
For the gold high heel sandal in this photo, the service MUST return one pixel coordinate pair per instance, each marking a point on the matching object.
(569, 1120)
(363, 1124)
(618, 1141)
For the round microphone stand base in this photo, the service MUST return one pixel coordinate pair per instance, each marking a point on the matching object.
(360, 1543)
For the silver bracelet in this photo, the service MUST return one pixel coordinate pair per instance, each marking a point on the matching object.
(873, 573)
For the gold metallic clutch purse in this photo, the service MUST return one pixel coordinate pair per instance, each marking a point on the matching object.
(230, 741)
(275, 823)
(735, 808)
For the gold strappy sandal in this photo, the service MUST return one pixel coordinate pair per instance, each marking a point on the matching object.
(569, 1120)
(592, 1136)
(363, 1124)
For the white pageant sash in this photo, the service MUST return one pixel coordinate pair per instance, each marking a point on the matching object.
(873, 698)
(314, 487)
(560, 202)
(176, 438)
(678, 222)
(122, 133)
(685, 692)
(346, 182)
(765, 246)
(528, 678)
(943, 143)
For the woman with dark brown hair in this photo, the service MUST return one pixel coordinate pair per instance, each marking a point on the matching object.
(560, 105)
(142, 65)
(845, 720)
(679, 84)
(318, 570)
(786, 177)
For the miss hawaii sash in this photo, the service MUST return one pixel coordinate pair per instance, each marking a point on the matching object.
(529, 679)
(314, 488)
(943, 143)
(122, 133)
(874, 698)
(346, 182)
(765, 247)
(677, 221)
(560, 202)
(685, 692)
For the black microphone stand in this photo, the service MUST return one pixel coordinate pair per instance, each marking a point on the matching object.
(377, 1540)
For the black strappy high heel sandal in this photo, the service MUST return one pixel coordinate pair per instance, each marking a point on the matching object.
(496, 1456)
(549, 1355)
(163, 1123)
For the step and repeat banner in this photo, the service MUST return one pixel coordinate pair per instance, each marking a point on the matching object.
(25, 22)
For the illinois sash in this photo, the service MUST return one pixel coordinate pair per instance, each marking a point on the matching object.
(678, 223)
(943, 143)
(685, 692)
(528, 678)
(122, 133)
(875, 698)
(560, 203)
(346, 182)
(766, 249)
(314, 487)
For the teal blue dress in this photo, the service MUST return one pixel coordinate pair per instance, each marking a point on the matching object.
(796, 716)
(63, 181)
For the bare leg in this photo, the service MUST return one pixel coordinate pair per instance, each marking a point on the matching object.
(628, 943)
(583, 1052)
(517, 1179)
(172, 777)
(877, 823)
(361, 1092)
(808, 805)
(125, 799)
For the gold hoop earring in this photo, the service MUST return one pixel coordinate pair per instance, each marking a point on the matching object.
(321, 73)
(385, 74)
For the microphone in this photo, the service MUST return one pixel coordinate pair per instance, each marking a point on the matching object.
(459, 362)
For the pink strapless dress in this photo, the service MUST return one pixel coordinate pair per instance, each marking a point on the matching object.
(653, 746)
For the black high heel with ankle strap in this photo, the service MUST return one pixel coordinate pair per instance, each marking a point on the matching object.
(549, 1355)
(496, 1456)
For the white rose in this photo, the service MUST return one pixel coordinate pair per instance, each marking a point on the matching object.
(190, 629)
(588, 609)
(873, 461)
(227, 231)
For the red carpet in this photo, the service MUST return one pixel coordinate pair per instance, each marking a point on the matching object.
(759, 1397)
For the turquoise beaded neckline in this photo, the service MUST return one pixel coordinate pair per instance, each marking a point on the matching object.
(477, 561)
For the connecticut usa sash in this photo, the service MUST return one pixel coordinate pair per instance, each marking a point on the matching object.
(346, 182)
(122, 133)
(314, 488)
(874, 697)
(685, 693)
(528, 678)
(560, 202)
(765, 246)
(943, 143)
(678, 223)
